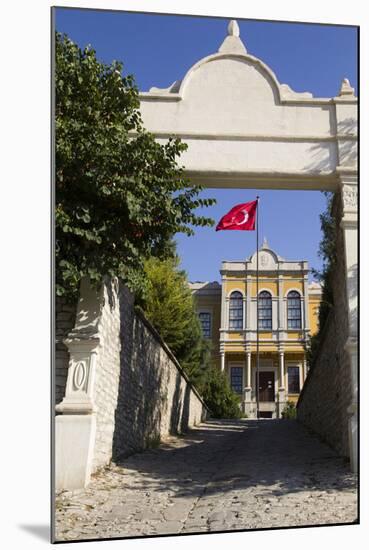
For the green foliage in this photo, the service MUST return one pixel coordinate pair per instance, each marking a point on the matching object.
(312, 348)
(219, 396)
(327, 251)
(169, 306)
(289, 410)
(120, 195)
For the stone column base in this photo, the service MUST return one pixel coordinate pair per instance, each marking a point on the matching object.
(74, 446)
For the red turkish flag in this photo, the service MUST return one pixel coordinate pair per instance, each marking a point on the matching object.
(241, 216)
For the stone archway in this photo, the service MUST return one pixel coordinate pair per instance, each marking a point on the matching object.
(245, 129)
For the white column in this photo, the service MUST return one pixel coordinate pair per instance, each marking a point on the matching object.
(248, 303)
(281, 389)
(248, 370)
(280, 306)
(306, 320)
(275, 308)
(222, 361)
(349, 227)
(247, 392)
(226, 314)
(223, 306)
(304, 369)
(281, 370)
(351, 348)
(348, 181)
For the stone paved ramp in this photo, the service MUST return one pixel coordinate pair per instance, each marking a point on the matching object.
(223, 475)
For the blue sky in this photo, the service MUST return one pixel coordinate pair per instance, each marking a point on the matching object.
(158, 49)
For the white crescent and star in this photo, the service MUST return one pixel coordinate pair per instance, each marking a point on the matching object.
(246, 217)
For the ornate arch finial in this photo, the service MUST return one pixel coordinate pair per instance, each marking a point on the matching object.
(233, 28)
(265, 243)
(232, 42)
(346, 88)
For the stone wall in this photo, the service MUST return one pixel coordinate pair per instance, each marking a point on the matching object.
(326, 394)
(65, 316)
(123, 382)
(155, 396)
(108, 372)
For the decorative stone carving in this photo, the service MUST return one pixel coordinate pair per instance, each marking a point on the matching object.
(346, 88)
(173, 88)
(79, 375)
(264, 260)
(288, 93)
(265, 243)
(232, 43)
(349, 195)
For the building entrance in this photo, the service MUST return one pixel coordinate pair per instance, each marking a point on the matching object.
(266, 386)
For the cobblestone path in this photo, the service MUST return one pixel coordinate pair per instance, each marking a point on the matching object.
(223, 475)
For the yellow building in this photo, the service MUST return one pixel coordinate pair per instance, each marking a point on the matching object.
(288, 315)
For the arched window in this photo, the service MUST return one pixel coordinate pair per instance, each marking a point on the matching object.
(265, 310)
(236, 310)
(293, 310)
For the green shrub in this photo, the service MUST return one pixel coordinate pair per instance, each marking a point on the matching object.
(219, 396)
(289, 410)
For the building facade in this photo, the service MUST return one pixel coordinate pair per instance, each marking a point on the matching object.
(288, 315)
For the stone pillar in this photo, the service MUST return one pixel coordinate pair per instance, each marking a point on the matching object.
(223, 305)
(281, 385)
(248, 370)
(346, 123)
(348, 180)
(247, 397)
(75, 427)
(349, 227)
(281, 305)
(351, 348)
(222, 361)
(226, 313)
(244, 325)
(304, 369)
(222, 356)
(305, 325)
(248, 303)
(281, 370)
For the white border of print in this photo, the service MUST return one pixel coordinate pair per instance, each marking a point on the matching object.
(25, 273)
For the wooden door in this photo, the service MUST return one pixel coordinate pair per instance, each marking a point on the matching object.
(266, 386)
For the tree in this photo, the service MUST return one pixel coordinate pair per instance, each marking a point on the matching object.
(169, 305)
(328, 254)
(219, 396)
(120, 195)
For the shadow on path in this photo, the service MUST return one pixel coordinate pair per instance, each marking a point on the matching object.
(223, 455)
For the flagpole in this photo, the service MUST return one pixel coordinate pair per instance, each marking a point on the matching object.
(257, 309)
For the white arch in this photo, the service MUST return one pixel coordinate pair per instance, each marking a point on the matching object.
(262, 68)
(267, 290)
(236, 290)
(293, 290)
